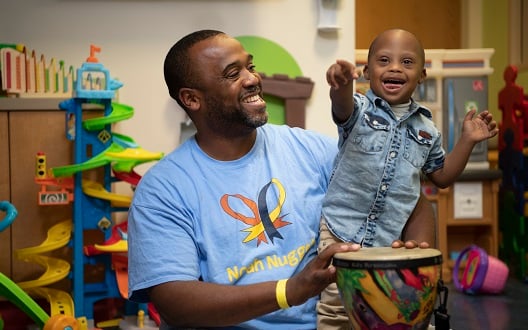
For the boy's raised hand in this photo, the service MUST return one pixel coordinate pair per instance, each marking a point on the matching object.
(480, 127)
(341, 73)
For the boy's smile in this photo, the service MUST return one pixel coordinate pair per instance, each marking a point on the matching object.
(395, 66)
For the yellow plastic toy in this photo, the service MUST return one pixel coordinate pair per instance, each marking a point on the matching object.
(20, 298)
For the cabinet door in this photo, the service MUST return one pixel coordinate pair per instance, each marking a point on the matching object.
(414, 15)
(5, 246)
(32, 132)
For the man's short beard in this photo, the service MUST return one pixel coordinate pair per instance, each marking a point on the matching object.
(256, 122)
(220, 118)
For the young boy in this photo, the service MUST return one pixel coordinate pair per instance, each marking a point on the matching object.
(385, 141)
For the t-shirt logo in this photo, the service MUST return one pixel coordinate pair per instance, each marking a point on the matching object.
(262, 222)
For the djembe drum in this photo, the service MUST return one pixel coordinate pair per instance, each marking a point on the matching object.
(389, 288)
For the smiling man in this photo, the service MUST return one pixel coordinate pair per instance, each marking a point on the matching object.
(222, 231)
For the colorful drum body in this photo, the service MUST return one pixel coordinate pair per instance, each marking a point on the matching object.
(388, 288)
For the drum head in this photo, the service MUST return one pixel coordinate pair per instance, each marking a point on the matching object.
(388, 258)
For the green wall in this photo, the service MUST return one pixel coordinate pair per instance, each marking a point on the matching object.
(271, 58)
(495, 26)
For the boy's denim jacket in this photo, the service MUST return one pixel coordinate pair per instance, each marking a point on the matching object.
(375, 183)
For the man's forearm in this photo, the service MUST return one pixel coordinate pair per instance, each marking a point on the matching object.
(200, 304)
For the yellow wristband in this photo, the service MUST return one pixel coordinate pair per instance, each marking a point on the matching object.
(280, 293)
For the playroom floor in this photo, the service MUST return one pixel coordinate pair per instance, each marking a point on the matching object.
(507, 311)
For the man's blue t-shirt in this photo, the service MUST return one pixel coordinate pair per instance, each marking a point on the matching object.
(235, 222)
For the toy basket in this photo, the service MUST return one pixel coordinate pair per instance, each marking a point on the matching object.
(482, 273)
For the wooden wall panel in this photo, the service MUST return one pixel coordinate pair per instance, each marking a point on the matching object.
(32, 132)
(436, 23)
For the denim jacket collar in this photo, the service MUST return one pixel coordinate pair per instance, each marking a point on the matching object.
(382, 104)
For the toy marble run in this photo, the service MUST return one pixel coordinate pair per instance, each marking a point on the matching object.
(114, 156)
(61, 314)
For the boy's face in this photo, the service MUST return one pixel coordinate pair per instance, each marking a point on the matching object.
(395, 66)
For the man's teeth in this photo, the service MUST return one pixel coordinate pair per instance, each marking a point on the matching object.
(254, 98)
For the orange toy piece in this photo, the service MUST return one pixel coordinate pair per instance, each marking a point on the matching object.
(61, 322)
(53, 191)
(93, 49)
(120, 266)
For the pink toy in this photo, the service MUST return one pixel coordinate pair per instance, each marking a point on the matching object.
(482, 274)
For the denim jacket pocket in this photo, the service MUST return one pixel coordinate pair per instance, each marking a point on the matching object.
(372, 133)
(418, 143)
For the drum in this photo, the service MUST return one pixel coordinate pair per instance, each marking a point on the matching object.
(389, 288)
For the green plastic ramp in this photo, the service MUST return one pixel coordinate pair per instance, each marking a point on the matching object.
(119, 112)
(22, 300)
(125, 160)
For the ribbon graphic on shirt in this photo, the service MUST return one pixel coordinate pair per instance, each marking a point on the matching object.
(263, 223)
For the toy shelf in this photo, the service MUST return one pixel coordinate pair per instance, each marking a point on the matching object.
(513, 161)
(454, 233)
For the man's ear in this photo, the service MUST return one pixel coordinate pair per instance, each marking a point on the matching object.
(190, 98)
(366, 72)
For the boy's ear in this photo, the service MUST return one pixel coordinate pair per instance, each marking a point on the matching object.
(423, 76)
(190, 98)
(366, 72)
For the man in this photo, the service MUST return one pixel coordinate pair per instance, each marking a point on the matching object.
(223, 231)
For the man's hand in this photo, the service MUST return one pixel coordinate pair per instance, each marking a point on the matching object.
(317, 275)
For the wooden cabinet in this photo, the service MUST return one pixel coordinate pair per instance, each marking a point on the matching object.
(29, 126)
(5, 236)
(456, 233)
